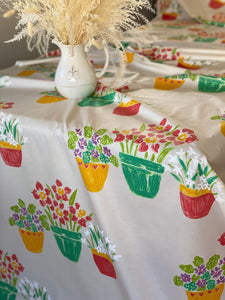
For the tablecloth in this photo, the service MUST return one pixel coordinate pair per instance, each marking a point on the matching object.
(119, 195)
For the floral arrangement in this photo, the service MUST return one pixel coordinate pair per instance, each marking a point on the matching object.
(31, 290)
(10, 130)
(202, 276)
(187, 169)
(6, 105)
(75, 22)
(60, 206)
(221, 117)
(159, 139)
(10, 268)
(95, 239)
(91, 146)
(28, 218)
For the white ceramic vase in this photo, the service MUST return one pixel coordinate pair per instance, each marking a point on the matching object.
(75, 77)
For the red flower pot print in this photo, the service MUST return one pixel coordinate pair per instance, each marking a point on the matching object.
(127, 109)
(11, 155)
(195, 203)
(215, 4)
(104, 263)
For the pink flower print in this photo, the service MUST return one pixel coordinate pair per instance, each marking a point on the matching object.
(77, 205)
(41, 194)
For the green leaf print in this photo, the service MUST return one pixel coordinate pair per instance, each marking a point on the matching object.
(106, 140)
(198, 261)
(21, 203)
(15, 208)
(212, 262)
(187, 268)
(31, 209)
(177, 281)
(88, 132)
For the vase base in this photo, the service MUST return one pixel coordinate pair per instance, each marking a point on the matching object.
(77, 92)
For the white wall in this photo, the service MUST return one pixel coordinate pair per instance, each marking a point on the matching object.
(11, 52)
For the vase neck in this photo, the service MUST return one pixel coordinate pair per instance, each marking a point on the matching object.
(70, 50)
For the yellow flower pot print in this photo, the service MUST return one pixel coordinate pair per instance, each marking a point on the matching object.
(33, 241)
(214, 294)
(94, 175)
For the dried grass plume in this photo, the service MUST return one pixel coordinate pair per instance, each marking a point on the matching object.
(74, 22)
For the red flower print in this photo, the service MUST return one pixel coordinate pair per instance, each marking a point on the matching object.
(88, 218)
(6, 105)
(82, 222)
(139, 141)
(143, 147)
(60, 192)
(191, 139)
(163, 122)
(155, 148)
(55, 203)
(54, 215)
(130, 137)
(39, 186)
(61, 205)
(66, 215)
(74, 218)
(62, 221)
(119, 138)
(72, 210)
(48, 201)
(43, 203)
(77, 205)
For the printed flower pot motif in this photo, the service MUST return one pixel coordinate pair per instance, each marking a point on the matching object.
(187, 65)
(195, 203)
(51, 97)
(94, 175)
(169, 16)
(143, 176)
(97, 101)
(214, 294)
(68, 242)
(7, 292)
(25, 73)
(33, 241)
(215, 4)
(162, 83)
(211, 84)
(11, 155)
(222, 127)
(104, 263)
(130, 108)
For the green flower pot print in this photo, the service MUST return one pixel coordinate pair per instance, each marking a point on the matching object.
(68, 242)
(7, 292)
(65, 216)
(143, 151)
(10, 270)
(211, 84)
(143, 177)
(100, 97)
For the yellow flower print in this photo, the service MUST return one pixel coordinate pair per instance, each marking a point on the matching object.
(81, 213)
(159, 127)
(126, 132)
(60, 191)
(182, 137)
(42, 195)
(3, 270)
(59, 212)
(151, 140)
(15, 265)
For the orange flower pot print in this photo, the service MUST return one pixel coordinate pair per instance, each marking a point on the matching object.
(169, 16)
(104, 263)
(94, 175)
(222, 127)
(214, 294)
(11, 155)
(33, 241)
(195, 203)
(186, 65)
(222, 123)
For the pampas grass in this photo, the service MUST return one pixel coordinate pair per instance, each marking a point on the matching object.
(74, 22)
